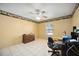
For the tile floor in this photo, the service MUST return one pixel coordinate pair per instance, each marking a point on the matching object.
(34, 48)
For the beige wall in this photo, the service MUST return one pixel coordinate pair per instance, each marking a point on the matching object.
(41, 31)
(75, 18)
(59, 27)
(12, 29)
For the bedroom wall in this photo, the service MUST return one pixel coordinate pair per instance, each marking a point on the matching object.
(12, 29)
(75, 18)
(59, 27)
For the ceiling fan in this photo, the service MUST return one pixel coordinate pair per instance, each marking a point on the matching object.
(40, 15)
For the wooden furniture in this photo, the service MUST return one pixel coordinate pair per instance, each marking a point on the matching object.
(28, 38)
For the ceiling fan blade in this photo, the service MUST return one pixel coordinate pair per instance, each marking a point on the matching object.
(34, 13)
(45, 16)
(37, 10)
(31, 12)
(43, 12)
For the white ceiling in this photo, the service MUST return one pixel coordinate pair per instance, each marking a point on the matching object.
(53, 10)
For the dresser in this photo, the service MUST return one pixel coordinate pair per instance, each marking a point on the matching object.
(28, 38)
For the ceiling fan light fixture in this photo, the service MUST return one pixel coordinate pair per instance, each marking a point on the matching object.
(43, 12)
(38, 18)
(40, 15)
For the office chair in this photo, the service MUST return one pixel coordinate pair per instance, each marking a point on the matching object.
(72, 50)
(55, 47)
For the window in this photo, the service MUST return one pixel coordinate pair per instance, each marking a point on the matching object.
(49, 29)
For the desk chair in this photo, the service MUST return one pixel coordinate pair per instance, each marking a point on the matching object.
(55, 47)
(72, 49)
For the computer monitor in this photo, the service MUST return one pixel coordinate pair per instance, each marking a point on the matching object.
(74, 28)
(74, 35)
